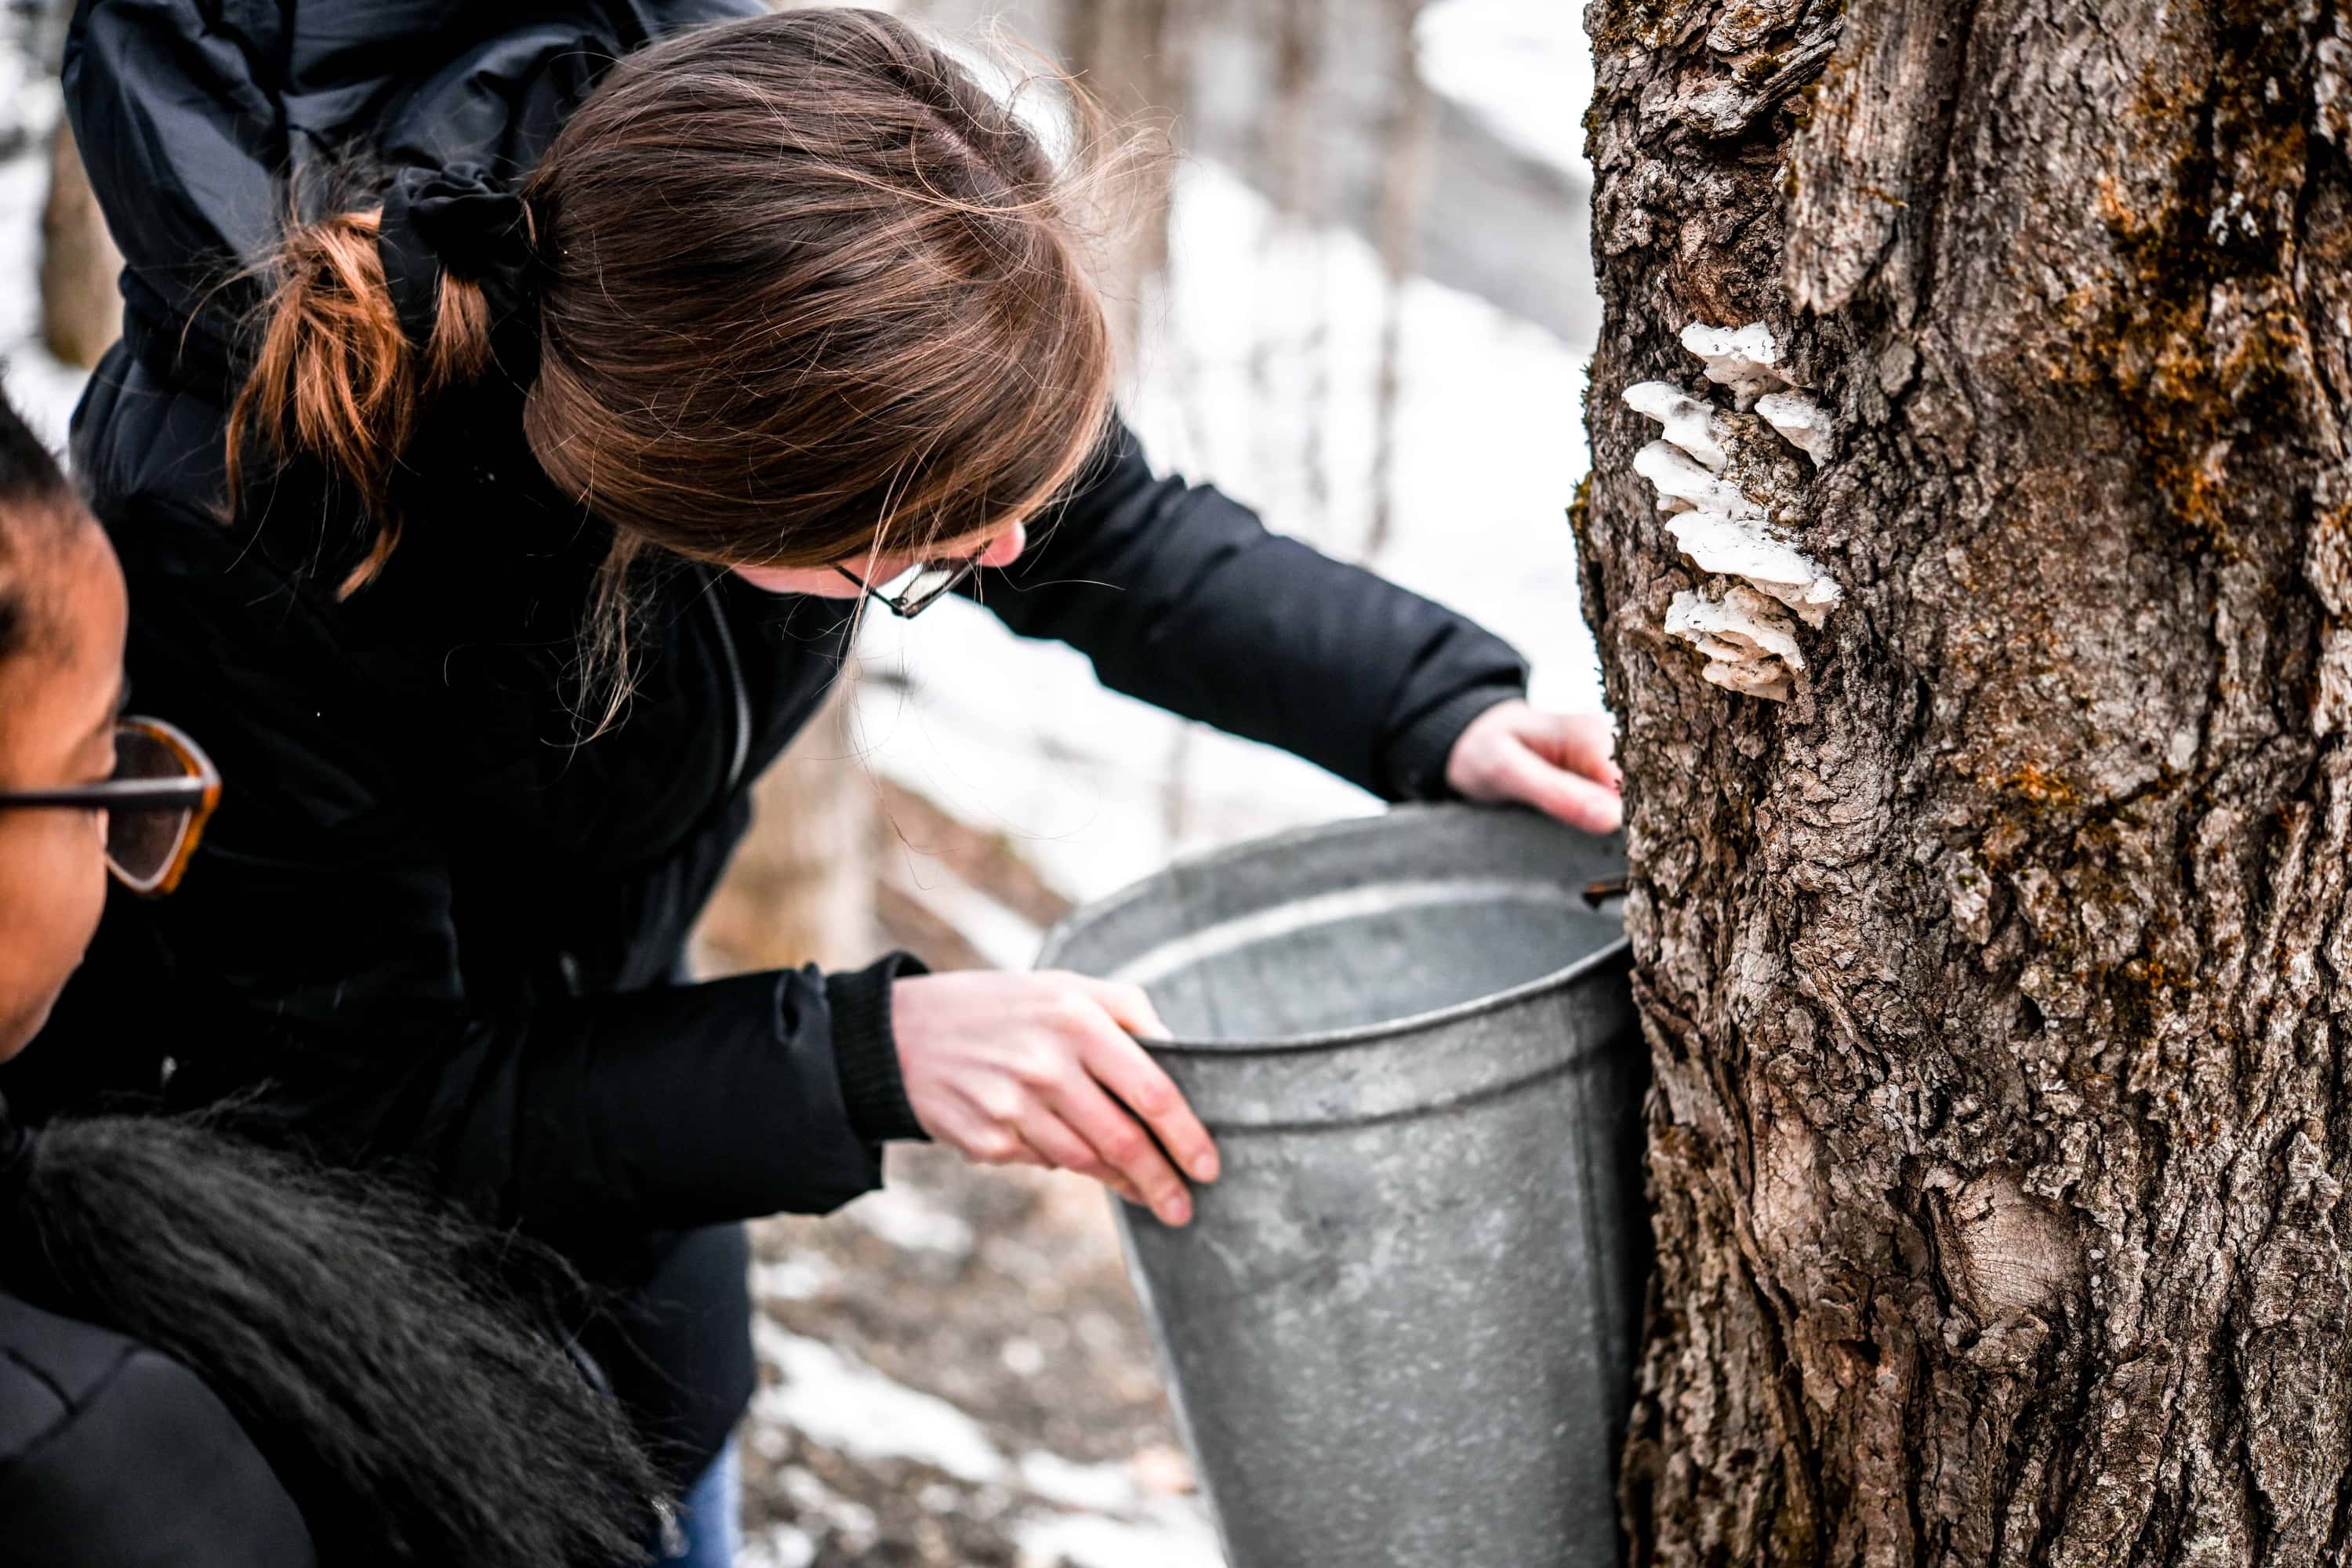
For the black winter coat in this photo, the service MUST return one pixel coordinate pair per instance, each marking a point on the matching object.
(434, 925)
(114, 1455)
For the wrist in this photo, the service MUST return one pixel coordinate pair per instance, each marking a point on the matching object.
(866, 1050)
(1418, 758)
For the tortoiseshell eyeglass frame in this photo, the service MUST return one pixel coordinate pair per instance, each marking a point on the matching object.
(196, 792)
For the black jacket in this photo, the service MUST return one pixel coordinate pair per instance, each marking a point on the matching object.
(439, 927)
(114, 1455)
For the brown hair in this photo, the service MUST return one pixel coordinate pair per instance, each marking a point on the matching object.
(809, 291)
(335, 376)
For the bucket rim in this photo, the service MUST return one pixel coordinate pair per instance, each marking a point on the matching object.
(1361, 1034)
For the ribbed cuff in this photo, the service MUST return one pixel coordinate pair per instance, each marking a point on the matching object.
(1417, 757)
(865, 1050)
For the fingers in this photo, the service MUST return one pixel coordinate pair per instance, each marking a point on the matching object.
(1142, 1083)
(1045, 1071)
(1142, 1121)
(1557, 762)
(1064, 1150)
(1143, 1087)
(991, 1144)
(1129, 1008)
(1125, 1150)
(1124, 1189)
(1585, 744)
(1526, 776)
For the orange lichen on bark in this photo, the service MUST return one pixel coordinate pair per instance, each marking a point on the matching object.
(2193, 324)
(2044, 788)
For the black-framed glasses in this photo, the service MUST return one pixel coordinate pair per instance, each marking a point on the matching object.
(161, 796)
(918, 587)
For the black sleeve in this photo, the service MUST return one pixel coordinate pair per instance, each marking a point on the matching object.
(315, 952)
(1182, 597)
(655, 1110)
(149, 1471)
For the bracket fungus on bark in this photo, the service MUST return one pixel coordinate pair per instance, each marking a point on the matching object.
(1691, 424)
(1802, 422)
(1749, 639)
(1750, 548)
(1685, 485)
(1745, 359)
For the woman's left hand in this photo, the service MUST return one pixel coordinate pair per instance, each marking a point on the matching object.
(1557, 762)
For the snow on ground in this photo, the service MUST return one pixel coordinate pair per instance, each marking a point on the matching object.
(1086, 1515)
(833, 1399)
(954, 1372)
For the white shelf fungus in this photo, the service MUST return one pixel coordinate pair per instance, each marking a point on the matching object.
(1743, 625)
(1800, 421)
(1750, 548)
(1745, 359)
(1750, 642)
(1679, 479)
(1691, 424)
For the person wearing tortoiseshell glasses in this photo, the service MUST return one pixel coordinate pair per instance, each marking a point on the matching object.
(213, 1355)
(79, 778)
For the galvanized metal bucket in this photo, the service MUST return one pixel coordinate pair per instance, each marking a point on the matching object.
(1400, 1328)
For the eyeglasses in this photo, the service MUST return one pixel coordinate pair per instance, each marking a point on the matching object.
(162, 793)
(923, 585)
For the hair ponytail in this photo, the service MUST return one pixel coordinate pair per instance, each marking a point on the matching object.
(797, 288)
(334, 375)
(352, 1331)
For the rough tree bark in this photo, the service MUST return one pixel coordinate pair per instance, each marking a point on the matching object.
(1999, 980)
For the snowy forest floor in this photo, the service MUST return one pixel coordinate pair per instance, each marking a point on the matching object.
(960, 1376)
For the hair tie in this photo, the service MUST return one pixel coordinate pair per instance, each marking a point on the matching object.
(463, 222)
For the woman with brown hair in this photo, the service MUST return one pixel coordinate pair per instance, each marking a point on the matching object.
(501, 520)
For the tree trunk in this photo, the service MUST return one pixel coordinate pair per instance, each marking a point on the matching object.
(1405, 179)
(1992, 932)
(1131, 55)
(81, 312)
(801, 887)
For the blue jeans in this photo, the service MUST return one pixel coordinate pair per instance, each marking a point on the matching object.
(710, 1515)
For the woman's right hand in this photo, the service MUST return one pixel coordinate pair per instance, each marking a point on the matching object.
(1043, 1069)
